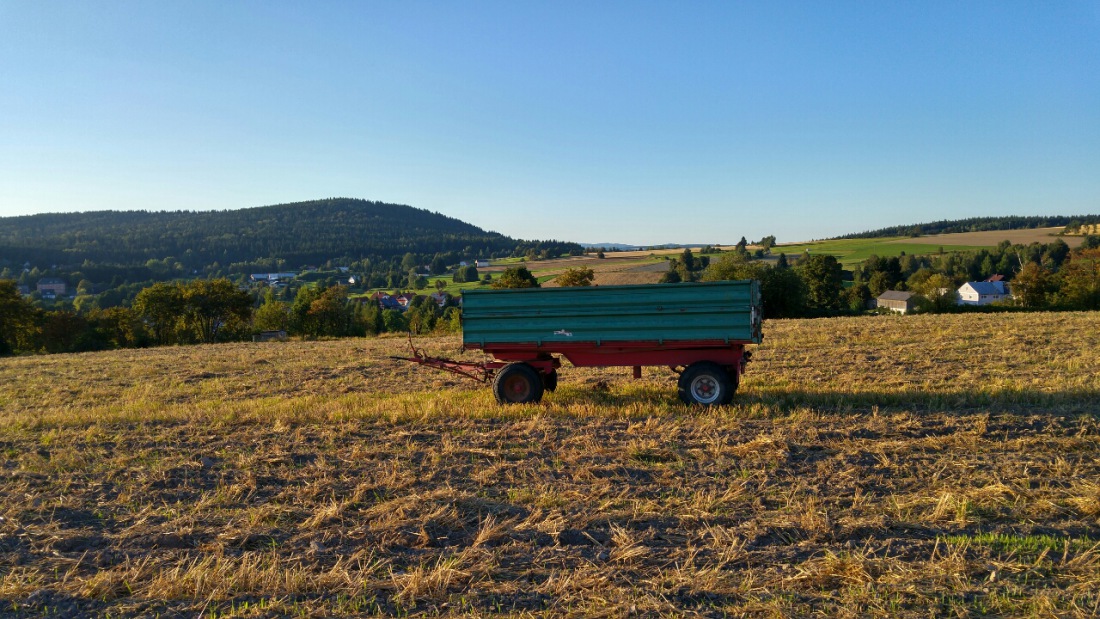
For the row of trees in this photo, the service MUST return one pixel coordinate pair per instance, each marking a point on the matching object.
(980, 224)
(205, 311)
(1049, 276)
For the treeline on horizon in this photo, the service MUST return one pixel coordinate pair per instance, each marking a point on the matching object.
(208, 311)
(979, 224)
(1043, 277)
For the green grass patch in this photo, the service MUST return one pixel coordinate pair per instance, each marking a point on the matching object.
(851, 252)
(1023, 544)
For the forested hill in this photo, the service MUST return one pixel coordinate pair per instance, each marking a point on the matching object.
(299, 234)
(977, 224)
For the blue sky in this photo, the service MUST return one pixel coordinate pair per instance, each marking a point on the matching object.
(633, 122)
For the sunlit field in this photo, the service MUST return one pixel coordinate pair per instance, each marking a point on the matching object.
(876, 466)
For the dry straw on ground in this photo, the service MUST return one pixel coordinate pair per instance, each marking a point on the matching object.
(880, 466)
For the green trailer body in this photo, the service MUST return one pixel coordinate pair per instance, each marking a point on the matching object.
(662, 314)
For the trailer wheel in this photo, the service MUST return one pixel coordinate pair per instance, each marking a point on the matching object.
(706, 383)
(517, 383)
(550, 381)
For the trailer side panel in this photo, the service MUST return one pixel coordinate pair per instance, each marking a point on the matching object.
(726, 312)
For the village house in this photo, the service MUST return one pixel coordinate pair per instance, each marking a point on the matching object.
(385, 300)
(481, 264)
(50, 287)
(899, 301)
(983, 293)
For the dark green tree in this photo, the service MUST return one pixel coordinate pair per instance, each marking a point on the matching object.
(160, 307)
(210, 305)
(781, 290)
(516, 277)
(120, 327)
(578, 276)
(329, 314)
(273, 315)
(464, 274)
(17, 318)
(394, 321)
(858, 297)
(1032, 286)
(301, 321)
(824, 280)
(1080, 281)
(687, 259)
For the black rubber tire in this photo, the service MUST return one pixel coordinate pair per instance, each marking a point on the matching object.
(550, 381)
(707, 384)
(517, 383)
(735, 377)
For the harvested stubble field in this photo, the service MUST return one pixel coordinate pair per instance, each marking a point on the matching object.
(919, 466)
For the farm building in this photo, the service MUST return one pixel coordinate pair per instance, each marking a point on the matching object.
(899, 301)
(270, 336)
(53, 286)
(983, 293)
(271, 277)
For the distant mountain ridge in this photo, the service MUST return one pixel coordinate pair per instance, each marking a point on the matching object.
(299, 233)
(977, 224)
(629, 247)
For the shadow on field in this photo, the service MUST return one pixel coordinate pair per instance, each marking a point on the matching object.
(1074, 401)
(973, 400)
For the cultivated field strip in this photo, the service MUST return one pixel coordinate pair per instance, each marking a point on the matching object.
(938, 465)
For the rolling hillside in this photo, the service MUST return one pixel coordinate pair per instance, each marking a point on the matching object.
(299, 234)
(978, 224)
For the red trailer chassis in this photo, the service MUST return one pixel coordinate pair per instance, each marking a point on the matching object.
(710, 370)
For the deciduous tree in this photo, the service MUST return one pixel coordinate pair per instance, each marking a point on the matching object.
(211, 304)
(160, 306)
(1080, 281)
(823, 277)
(1031, 285)
(577, 276)
(273, 315)
(516, 277)
(16, 317)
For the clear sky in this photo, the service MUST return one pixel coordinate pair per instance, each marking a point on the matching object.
(633, 122)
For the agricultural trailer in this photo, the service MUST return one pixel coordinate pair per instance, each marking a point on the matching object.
(699, 330)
